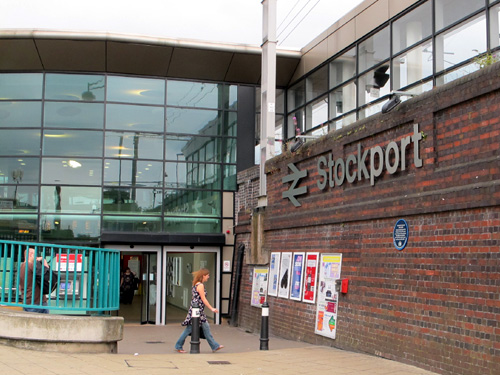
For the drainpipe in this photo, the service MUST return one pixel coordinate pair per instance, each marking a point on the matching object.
(237, 281)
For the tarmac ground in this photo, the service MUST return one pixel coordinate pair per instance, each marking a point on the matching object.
(149, 350)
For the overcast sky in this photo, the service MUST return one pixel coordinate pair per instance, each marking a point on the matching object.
(233, 21)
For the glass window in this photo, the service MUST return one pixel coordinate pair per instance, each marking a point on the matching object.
(74, 87)
(461, 43)
(131, 224)
(21, 86)
(495, 26)
(412, 66)
(296, 95)
(280, 101)
(342, 100)
(192, 202)
(232, 103)
(19, 170)
(317, 113)
(192, 225)
(412, 27)
(317, 83)
(134, 145)
(133, 172)
(374, 50)
(296, 123)
(343, 121)
(76, 228)
(193, 121)
(229, 127)
(135, 118)
(451, 11)
(451, 75)
(185, 147)
(70, 199)
(136, 90)
(20, 142)
(374, 85)
(72, 143)
(19, 227)
(74, 115)
(20, 114)
(230, 177)
(132, 201)
(18, 198)
(192, 175)
(229, 151)
(343, 68)
(196, 94)
(57, 171)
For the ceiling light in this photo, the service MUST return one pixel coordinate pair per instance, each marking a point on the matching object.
(74, 164)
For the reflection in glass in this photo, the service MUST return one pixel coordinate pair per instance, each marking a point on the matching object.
(317, 83)
(230, 177)
(74, 87)
(192, 175)
(74, 228)
(133, 172)
(19, 170)
(191, 225)
(19, 227)
(317, 113)
(74, 115)
(131, 224)
(136, 90)
(233, 97)
(20, 114)
(57, 171)
(374, 50)
(412, 66)
(192, 202)
(18, 198)
(343, 68)
(185, 147)
(20, 142)
(342, 100)
(412, 27)
(132, 201)
(230, 124)
(21, 86)
(229, 150)
(193, 121)
(450, 11)
(197, 94)
(70, 199)
(72, 143)
(134, 145)
(374, 85)
(134, 117)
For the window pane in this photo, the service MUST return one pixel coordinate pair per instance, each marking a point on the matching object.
(135, 118)
(70, 199)
(20, 114)
(131, 224)
(72, 143)
(79, 171)
(192, 225)
(450, 11)
(74, 115)
(132, 201)
(74, 87)
(412, 27)
(196, 94)
(343, 68)
(374, 85)
(192, 175)
(317, 113)
(495, 26)
(233, 97)
(229, 151)
(187, 202)
(230, 177)
(296, 95)
(19, 227)
(461, 43)
(229, 127)
(296, 123)
(317, 83)
(412, 66)
(19, 170)
(134, 145)
(343, 121)
(452, 75)
(193, 121)
(342, 100)
(133, 173)
(374, 50)
(20, 142)
(184, 148)
(18, 198)
(74, 228)
(280, 101)
(21, 86)
(136, 90)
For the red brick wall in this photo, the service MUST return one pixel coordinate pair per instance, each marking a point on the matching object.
(436, 303)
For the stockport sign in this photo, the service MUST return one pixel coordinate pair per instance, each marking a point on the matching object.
(370, 164)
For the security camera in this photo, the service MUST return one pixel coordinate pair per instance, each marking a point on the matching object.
(394, 100)
(298, 144)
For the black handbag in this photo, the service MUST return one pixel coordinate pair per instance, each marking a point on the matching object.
(48, 287)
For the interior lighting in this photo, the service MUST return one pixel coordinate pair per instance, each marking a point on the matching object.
(74, 164)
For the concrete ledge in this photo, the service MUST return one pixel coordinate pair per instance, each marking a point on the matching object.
(60, 333)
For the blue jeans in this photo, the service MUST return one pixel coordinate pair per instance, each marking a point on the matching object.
(206, 330)
(41, 311)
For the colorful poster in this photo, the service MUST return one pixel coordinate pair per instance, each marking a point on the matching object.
(311, 271)
(284, 279)
(328, 297)
(259, 286)
(297, 271)
(274, 269)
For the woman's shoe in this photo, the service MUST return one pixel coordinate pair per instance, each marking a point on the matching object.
(180, 350)
(219, 348)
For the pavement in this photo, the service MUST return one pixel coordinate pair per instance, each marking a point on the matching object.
(149, 350)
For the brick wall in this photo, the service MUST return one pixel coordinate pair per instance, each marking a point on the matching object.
(436, 303)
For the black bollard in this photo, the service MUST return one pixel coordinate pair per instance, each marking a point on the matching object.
(264, 329)
(195, 332)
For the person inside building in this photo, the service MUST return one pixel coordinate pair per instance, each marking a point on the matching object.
(128, 286)
(26, 274)
(200, 297)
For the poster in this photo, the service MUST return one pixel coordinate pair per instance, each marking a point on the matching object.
(284, 279)
(259, 286)
(297, 271)
(311, 272)
(274, 268)
(327, 306)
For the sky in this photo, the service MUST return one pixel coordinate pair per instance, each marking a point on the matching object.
(229, 21)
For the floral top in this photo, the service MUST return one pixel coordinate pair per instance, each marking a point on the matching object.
(201, 305)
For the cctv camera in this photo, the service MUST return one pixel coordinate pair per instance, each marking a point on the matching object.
(393, 102)
(298, 144)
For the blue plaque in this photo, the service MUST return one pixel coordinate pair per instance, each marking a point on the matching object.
(400, 234)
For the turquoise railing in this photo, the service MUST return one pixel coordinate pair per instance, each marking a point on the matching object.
(86, 279)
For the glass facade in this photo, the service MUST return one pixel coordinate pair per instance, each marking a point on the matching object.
(84, 154)
(430, 44)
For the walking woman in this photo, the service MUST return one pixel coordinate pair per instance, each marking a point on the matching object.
(200, 297)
